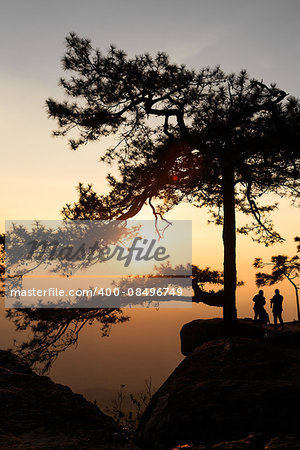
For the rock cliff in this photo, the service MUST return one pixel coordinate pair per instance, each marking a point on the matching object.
(36, 413)
(225, 390)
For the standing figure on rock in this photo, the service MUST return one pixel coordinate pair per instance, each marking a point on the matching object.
(259, 310)
(276, 305)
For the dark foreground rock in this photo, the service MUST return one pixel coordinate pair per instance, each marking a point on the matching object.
(251, 442)
(36, 413)
(224, 391)
(195, 333)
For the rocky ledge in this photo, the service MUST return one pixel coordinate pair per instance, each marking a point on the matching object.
(36, 413)
(197, 332)
(231, 392)
(252, 442)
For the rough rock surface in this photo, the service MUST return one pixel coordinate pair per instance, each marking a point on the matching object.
(195, 333)
(251, 442)
(225, 390)
(36, 413)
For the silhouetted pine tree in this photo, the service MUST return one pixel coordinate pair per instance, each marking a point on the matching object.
(205, 137)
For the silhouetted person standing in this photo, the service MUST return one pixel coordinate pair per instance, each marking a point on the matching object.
(259, 302)
(276, 305)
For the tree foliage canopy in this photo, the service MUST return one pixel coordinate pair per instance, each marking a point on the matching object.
(178, 130)
(206, 137)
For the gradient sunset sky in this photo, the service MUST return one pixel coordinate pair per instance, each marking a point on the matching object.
(39, 173)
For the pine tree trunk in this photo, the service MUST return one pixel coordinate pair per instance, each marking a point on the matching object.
(297, 301)
(229, 241)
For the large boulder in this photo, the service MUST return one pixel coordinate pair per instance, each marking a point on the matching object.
(37, 413)
(195, 333)
(225, 390)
